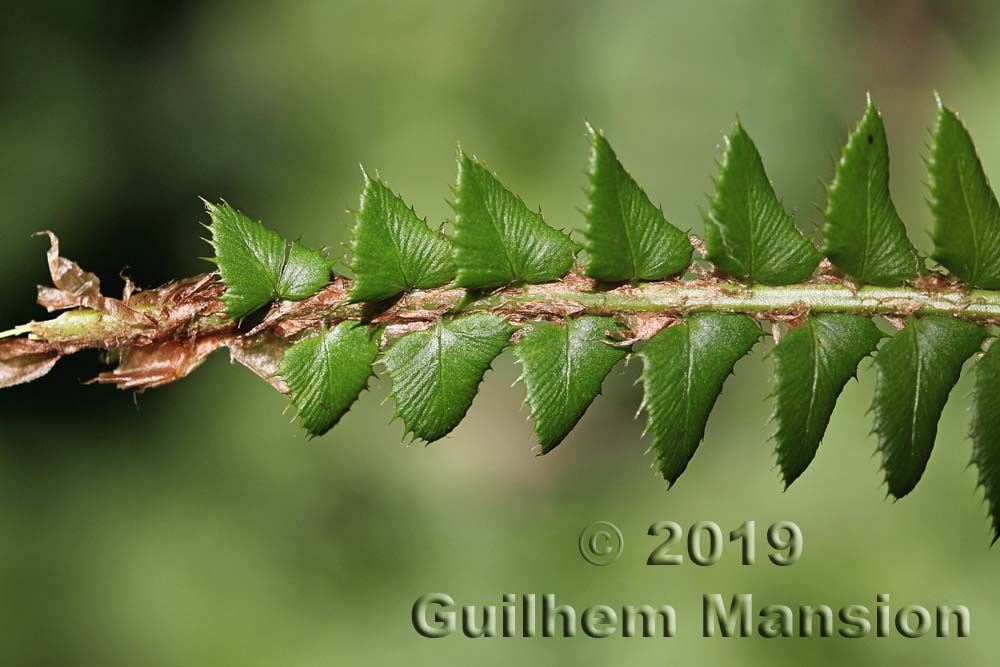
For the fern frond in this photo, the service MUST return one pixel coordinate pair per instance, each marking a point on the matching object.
(326, 373)
(436, 373)
(394, 250)
(748, 234)
(258, 266)
(966, 214)
(627, 236)
(864, 236)
(812, 363)
(915, 372)
(436, 310)
(564, 367)
(684, 367)
(498, 239)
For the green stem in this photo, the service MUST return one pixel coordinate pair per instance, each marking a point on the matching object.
(573, 296)
(686, 297)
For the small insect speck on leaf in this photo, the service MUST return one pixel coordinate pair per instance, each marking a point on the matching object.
(871, 139)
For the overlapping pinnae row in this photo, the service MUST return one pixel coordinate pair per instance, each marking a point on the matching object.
(436, 309)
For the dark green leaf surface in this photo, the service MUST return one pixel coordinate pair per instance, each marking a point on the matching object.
(915, 372)
(747, 232)
(498, 240)
(304, 273)
(258, 266)
(393, 249)
(325, 374)
(986, 430)
(564, 367)
(436, 373)
(627, 236)
(812, 363)
(684, 368)
(864, 236)
(966, 215)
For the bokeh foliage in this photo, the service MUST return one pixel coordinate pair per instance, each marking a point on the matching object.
(197, 529)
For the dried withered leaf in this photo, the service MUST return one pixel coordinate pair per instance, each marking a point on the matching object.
(643, 326)
(156, 365)
(938, 283)
(179, 306)
(23, 360)
(76, 288)
(67, 275)
(394, 331)
(287, 318)
(198, 290)
(262, 355)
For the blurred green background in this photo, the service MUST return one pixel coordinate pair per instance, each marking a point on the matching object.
(194, 525)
